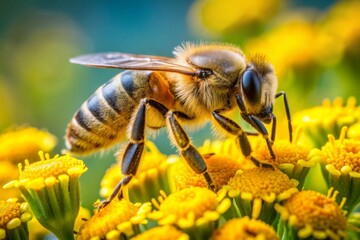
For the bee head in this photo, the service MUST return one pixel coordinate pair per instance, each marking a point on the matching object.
(258, 87)
(216, 64)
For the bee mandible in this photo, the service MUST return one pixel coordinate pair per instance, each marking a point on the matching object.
(201, 83)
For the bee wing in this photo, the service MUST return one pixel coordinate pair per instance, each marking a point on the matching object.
(132, 61)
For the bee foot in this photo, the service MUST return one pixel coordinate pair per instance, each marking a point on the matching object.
(261, 164)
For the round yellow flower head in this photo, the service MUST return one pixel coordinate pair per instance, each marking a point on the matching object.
(261, 182)
(195, 201)
(194, 210)
(151, 177)
(48, 168)
(341, 167)
(294, 159)
(285, 151)
(13, 219)
(342, 152)
(118, 217)
(256, 190)
(217, 147)
(313, 214)
(51, 187)
(315, 126)
(229, 148)
(245, 228)
(166, 232)
(24, 143)
(220, 167)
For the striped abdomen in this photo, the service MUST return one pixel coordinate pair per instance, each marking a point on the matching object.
(103, 119)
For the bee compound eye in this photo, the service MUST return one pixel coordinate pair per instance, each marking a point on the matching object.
(251, 86)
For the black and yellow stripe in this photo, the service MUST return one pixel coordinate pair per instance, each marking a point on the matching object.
(102, 120)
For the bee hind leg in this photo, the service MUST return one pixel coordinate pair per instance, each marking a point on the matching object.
(132, 154)
(241, 137)
(117, 191)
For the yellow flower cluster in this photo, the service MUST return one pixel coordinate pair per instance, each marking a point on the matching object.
(315, 126)
(118, 217)
(13, 218)
(51, 188)
(245, 228)
(166, 199)
(314, 215)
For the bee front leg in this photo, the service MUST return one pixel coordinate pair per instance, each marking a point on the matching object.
(188, 151)
(255, 123)
(234, 129)
(288, 113)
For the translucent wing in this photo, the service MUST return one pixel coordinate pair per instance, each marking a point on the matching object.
(132, 61)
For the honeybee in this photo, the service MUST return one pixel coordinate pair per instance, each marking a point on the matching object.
(201, 83)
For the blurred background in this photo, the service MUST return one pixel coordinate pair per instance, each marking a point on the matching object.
(314, 46)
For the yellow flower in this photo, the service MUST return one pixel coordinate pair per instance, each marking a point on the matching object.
(311, 214)
(151, 176)
(83, 214)
(343, 24)
(223, 159)
(24, 143)
(228, 147)
(51, 187)
(245, 228)
(289, 40)
(342, 152)
(294, 159)
(194, 210)
(166, 232)
(316, 123)
(256, 190)
(8, 172)
(341, 168)
(13, 219)
(260, 182)
(117, 218)
(111, 178)
(221, 17)
(37, 174)
(220, 167)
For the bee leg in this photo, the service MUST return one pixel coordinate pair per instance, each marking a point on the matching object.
(241, 138)
(132, 153)
(287, 110)
(188, 152)
(117, 191)
(255, 123)
(273, 128)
